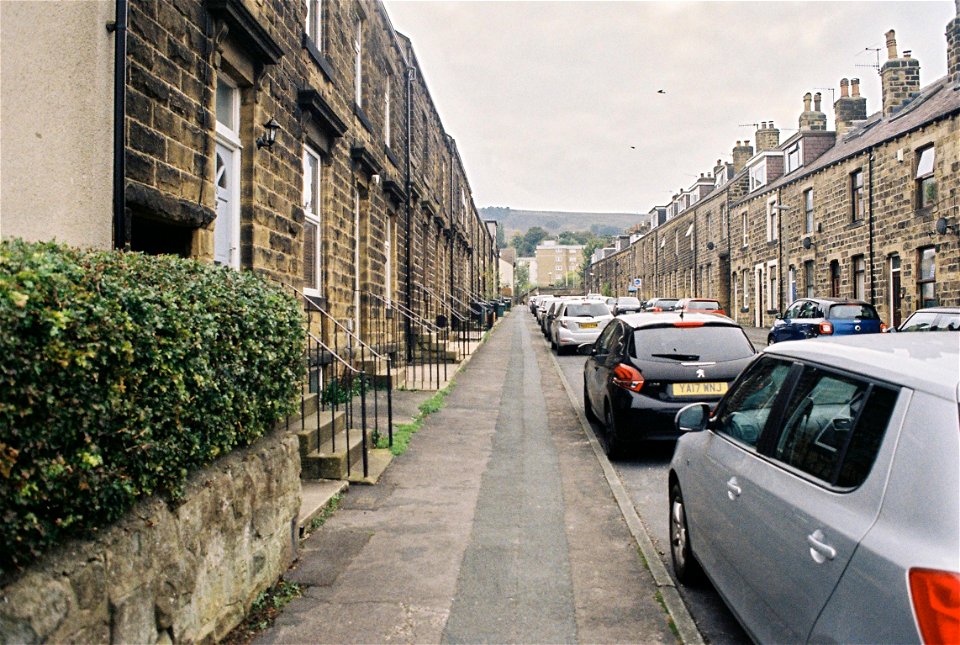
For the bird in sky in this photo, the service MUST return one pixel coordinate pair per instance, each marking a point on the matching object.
(661, 91)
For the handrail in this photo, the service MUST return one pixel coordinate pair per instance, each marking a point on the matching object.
(439, 300)
(320, 343)
(472, 310)
(409, 314)
(336, 322)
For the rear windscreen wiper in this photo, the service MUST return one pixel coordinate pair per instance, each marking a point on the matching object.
(679, 357)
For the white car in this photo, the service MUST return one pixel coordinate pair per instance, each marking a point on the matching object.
(577, 323)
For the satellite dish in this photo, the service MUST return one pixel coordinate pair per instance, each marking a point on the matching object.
(709, 246)
(807, 243)
(942, 226)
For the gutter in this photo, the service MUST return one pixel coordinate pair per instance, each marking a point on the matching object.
(121, 228)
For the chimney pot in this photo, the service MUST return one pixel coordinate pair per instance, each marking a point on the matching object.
(844, 88)
(816, 102)
(806, 102)
(891, 44)
(855, 87)
(907, 52)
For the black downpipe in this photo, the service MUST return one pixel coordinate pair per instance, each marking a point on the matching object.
(780, 299)
(873, 287)
(121, 229)
(408, 332)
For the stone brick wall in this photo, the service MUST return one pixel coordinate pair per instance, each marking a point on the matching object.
(169, 575)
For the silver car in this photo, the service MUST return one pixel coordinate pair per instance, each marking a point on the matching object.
(822, 498)
(577, 323)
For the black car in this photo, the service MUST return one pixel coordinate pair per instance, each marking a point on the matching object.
(660, 304)
(645, 367)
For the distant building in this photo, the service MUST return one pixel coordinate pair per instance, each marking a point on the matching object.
(557, 261)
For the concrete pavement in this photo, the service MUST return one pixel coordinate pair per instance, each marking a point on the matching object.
(497, 525)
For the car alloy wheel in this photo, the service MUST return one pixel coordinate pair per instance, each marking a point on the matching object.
(611, 438)
(685, 566)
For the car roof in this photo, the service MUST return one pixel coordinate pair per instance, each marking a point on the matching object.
(926, 362)
(938, 310)
(837, 301)
(652, 319)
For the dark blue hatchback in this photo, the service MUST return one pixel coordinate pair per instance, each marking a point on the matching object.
(813, 317)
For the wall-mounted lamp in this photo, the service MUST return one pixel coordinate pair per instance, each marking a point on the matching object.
(269, 137)
(943, 227)
(709, 246)
(807, 242)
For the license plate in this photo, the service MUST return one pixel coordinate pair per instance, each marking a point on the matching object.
(592, 325)
(698, 389)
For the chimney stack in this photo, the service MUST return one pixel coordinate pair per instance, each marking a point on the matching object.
(768, 137)
(849, 109)
(742, 152)
(812, 119)
(900, 77)
(953, 47)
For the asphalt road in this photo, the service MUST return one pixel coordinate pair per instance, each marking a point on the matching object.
(644, 475)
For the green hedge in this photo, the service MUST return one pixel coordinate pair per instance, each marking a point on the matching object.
(120, 374)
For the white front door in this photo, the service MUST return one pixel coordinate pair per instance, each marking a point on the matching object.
(758, 296)
(226, 228)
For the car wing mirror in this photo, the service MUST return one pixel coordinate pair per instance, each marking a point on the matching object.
(587, 349)
(692, 418)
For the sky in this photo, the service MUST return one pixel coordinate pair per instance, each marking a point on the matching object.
(556, 105)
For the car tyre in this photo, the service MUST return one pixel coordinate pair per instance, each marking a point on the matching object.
(685, 565)
(587, 408)
(770, 340)
(612, 441)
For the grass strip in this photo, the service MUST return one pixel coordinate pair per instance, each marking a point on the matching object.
(403, 431)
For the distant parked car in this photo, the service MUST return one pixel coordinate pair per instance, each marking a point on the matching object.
(813, 317)
(645, 367)
(700, 305)
(822, 495)
(932, 319)
(577, 323)
(660, 304)
(626, 305)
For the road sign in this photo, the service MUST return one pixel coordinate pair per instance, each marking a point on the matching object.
(637, 282)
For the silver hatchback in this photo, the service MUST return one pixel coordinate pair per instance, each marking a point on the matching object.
(822, 497)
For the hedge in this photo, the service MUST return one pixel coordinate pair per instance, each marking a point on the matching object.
(122, 373)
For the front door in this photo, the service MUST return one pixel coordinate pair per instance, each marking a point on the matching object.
(758, 296)
(226, 231)
(896, 317)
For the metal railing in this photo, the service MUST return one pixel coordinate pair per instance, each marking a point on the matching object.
(424, 366)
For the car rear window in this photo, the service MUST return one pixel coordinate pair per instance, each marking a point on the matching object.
(707, 305)
(628, 301)
(671, 344)
(665, 303)
(851, 311)
(587, 310)
(931, 321)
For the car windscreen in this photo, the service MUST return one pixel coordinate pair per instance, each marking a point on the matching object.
(663, 302)
(671, 344)
(932, 321)
(587, 309)
(851, 311)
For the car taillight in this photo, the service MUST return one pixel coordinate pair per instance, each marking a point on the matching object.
(627, 377)
(936, 602)
(656, 309)
(883, 327)
(826, 328)
(688, 323)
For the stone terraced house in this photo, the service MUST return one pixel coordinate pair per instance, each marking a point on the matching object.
(297, 139)
(869, 210)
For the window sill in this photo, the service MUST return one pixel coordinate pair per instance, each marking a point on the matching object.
(924, 212)
(854, 224)
(318, 57)
(392, 157)
(358, 111)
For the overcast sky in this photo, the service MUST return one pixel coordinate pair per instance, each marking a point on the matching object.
(545, 99)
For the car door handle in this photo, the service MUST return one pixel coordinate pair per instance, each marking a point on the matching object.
(820, 551)
(733, 488)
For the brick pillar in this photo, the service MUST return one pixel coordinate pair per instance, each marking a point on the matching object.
(741, 154)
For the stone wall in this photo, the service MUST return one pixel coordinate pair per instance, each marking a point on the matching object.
(168, 575)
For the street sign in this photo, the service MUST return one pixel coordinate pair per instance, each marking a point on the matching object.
(637, 282)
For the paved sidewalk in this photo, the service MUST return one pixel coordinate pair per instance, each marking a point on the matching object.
(497, 525)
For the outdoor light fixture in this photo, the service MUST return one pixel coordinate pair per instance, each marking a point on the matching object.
(943, 226)
(807, 242)
(269, 134)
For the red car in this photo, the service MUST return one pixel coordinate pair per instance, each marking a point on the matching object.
(700, 306)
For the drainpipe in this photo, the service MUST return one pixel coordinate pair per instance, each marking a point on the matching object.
(780, 211)
(408, 332)
(873, 287)
(121, 230)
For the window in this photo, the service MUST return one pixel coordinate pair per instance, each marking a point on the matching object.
(358, 64)
(723, 222)
(794, 157)
(314, 26)
(808, 279)
(736, 291)
(926, 285)
(745, 282)
(833, 428)
(926, 182)
(859, 277)
(676, 242)
(834, 279)
(773, 290)
(709, 281)
(772, 220)
(743, 219)
(856, 195)
(791, 284)
(387, 130)
(311, 222)
(808, 210)
(706, 226)
(758, 175)
(745, 411)
(690, 235)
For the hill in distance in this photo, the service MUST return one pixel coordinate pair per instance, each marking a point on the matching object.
(555, 222)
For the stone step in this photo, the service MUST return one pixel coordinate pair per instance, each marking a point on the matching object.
(328, 462)
(308, 408)
(310, 437)
(315, 495)
(377, 461)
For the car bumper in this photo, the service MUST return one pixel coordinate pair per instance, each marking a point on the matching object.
(649, 419)
(565, 337)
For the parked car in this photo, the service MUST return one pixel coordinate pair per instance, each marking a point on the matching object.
(822, 496)
(547, 319)
(660, 304)
(542, 305)
(932, 319)
(813, 317)
(645, 367)
(700, 305)
(626, 305)
(577, 323)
